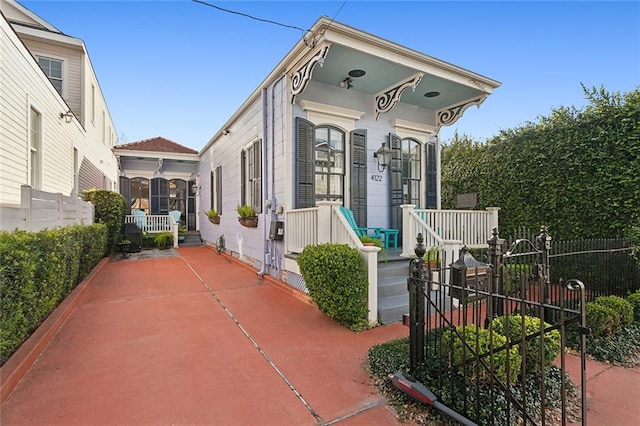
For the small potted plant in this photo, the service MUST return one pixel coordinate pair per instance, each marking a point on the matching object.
(124, 246)
(371, 241)
(248, 216)
(213, 216)
(432, 257)
(182, 233)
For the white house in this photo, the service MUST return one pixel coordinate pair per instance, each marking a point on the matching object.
(345, 119)
(55, 126)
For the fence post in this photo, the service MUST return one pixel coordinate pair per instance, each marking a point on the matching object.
(544, 241)
(493, 214)
(416, 286)
(495, 307)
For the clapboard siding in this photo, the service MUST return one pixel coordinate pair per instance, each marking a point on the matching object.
(24, 86)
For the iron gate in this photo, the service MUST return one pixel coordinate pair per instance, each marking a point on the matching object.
(488, 343)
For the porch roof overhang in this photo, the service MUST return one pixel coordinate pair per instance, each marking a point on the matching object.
(156, 160)
(393, 73)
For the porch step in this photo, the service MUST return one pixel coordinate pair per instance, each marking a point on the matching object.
(393, 296)
(192, 239)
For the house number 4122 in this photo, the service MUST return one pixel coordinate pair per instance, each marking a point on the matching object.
(377, 178)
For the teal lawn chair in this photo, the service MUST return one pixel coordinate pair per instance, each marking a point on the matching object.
(360, 232)
(140, 219)
(176, 214)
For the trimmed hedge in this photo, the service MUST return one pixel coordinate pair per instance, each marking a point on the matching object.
(37, 271)
(110, 209)
(634, 300)
(607, 315)
(336, 277)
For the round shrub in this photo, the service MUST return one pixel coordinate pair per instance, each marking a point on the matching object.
(602, 320)
(478, 342)
(623, 308)
(336, 277)
(511, 326)
(634, 300)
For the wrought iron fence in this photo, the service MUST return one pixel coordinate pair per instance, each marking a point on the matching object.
(488, 343)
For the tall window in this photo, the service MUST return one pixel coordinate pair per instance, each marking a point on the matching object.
(35, 144)
(411, 171)
(139, 194)
(251, 176)
(329, 164)
(53, 70)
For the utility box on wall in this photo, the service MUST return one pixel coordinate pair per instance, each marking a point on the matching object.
(276, 232)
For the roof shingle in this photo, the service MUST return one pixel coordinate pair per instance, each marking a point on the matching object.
(158, 144)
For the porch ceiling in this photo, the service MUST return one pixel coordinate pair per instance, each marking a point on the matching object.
(382, 74)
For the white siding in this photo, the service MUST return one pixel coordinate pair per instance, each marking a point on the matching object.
(23, 86)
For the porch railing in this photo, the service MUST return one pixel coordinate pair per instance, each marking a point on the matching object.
(326, 224)
(471, 227)
(155, 223)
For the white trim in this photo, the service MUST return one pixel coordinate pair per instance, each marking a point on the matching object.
(324, 114)
(410, 129)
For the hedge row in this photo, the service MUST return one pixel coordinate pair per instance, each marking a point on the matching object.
(37, 271)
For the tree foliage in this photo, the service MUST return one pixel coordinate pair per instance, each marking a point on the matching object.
(577, 171)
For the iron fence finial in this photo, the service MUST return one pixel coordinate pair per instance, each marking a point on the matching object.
(420, 248)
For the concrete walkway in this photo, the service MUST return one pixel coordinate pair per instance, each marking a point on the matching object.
(199, 339)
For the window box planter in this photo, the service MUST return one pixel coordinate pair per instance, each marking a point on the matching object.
(249, 221)
(214, 219)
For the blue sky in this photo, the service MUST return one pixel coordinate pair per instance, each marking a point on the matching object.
(180, 69)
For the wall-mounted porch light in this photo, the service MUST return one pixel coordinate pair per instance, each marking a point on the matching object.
(68, 116)
(383, 154)
(194, 189)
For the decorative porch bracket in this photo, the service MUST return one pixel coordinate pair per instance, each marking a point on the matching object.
(300, 78)
(387, 99)
(448, 116)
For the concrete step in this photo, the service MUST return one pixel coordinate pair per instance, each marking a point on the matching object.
(192, 239)
(391, 286)
(391, 308)
(393, 269)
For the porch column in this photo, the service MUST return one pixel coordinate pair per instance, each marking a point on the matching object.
(408, 230)
(370, 255)
(493, 218)
(325, 217)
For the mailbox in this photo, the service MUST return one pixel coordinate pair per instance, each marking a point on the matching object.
(469, 275)
(276, 231)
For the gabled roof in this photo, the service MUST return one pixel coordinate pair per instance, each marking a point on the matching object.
(157, 144)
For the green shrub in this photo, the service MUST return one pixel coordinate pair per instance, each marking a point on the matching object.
(531, 352)
(37, 271)
(634, 300)
(336, 277)
(163, 240)
(621, 307)
(602, 320)
(478, 342)
(110, 208)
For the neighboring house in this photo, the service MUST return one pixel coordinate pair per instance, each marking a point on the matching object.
(319, 129)
(56, 130)
(158, 176)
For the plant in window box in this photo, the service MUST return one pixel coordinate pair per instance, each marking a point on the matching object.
(248, 216)
(213, 216)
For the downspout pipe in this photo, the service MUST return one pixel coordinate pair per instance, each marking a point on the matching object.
(265, 187)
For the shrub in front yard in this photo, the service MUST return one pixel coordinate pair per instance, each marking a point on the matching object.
(37, 271)
(110, 208)
(607, 315)
(511, 326)
(634, 300)
(336, 277)
(481, 341)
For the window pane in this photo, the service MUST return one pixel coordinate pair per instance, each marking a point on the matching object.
(56, 69)
(336, 184)
(322, 137)
(337, 163)
(337, 140)
(321, 184)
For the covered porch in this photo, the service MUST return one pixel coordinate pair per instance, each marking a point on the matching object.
(446, 230)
